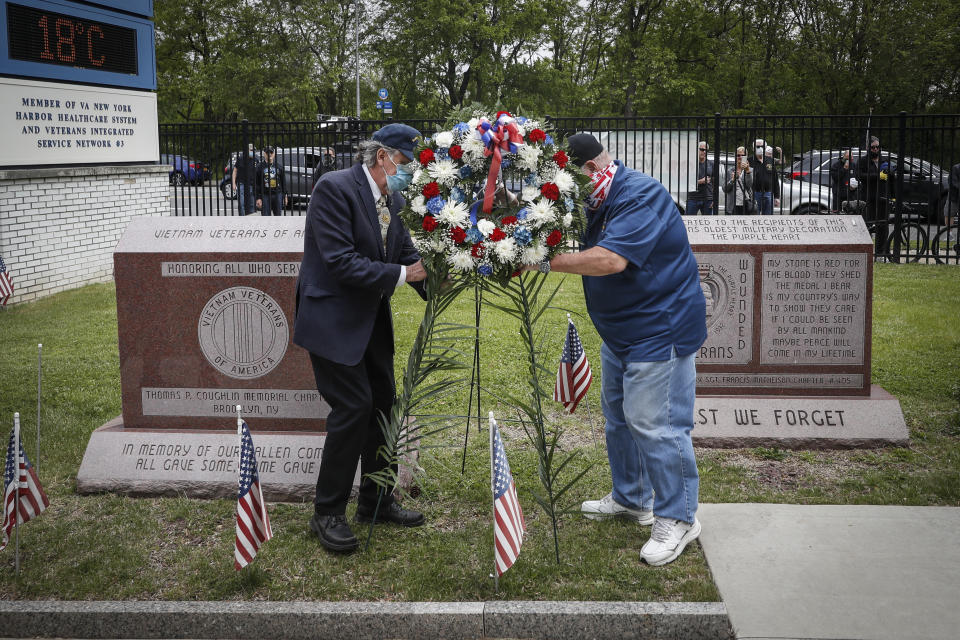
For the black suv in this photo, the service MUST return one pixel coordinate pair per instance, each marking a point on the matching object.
(924, 184)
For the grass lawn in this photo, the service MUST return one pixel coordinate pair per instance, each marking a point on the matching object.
(114, 547)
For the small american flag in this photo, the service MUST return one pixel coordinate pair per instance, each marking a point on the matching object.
(253, 524)
(6, 284)
(574, 375)
(508, 525)
(20, 478)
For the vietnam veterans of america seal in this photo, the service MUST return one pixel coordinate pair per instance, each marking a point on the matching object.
(243, 332)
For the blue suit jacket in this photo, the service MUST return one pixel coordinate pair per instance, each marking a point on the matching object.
(345, 274)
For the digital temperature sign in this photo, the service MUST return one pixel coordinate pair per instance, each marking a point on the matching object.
(61, 40)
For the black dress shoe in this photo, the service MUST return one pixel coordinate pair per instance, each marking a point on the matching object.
(334, 532)
(391, 513)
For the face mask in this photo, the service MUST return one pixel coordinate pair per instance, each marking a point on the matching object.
(401, 180)
(874, 152)
(759, 152)
(600, 182)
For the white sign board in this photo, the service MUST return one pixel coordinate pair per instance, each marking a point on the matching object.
(49, 123)
(668, 155)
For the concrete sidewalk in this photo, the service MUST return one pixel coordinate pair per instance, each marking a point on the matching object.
(833, 571)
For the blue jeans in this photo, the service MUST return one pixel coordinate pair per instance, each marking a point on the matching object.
(764, 202)
(693, 206)
(245, 196)
(648, 407)
(272, 204)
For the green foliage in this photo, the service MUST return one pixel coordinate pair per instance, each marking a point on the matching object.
(290, 59)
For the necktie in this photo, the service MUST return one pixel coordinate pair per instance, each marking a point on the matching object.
(383, 213)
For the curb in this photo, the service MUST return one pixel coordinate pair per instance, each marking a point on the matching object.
(362, 620)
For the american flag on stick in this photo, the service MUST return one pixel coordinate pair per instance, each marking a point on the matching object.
(508, 525)
(574, 375)
(6, 284)
(253, 523)
(23, 496)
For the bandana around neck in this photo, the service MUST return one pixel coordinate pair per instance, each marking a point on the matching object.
(601, 182)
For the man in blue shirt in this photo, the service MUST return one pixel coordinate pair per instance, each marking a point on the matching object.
(643, 294)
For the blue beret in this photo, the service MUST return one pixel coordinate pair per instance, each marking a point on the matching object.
(398, 136)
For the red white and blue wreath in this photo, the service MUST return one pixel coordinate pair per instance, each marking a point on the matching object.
(454, 214)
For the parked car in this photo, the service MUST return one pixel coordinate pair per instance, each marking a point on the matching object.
(796, 197)
(924, 184)
(303, 165)
(184, 170)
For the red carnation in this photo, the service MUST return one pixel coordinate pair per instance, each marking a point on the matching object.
(561, 159)
(497, 235)
(458, 235)
(430, 223)
(554, 238)
(478, 250)
(502, 113)
(537, 135)
(456, 152)
(426, 157)
(431, 190)
(509, 220)
(550, 191)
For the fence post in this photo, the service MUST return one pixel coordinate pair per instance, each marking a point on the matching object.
(716, 164)
(244, 145)
(898, 217)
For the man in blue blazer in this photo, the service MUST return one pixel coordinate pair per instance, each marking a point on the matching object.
(356, 253)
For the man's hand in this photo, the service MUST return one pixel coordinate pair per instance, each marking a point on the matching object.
(416, 272)
(776, 202)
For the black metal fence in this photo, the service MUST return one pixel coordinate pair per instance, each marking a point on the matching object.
(910, 211)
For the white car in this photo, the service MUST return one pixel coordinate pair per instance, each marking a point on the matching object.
(796, 197)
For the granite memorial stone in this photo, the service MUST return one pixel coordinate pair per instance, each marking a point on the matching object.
(787, 358)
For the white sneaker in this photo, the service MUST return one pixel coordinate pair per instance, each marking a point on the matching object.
(607, 507)
(668, 539)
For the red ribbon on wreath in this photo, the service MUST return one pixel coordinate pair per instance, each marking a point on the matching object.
(502, 135)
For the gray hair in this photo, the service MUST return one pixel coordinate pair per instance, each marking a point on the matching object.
(368, 149)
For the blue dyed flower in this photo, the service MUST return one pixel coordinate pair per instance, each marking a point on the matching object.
(461, 127)
(442, 153)
(466, 171)
(522, 236)
(457, 195)
(548, 139)
(474, 235)
(435, 204)
(568, 203)
(521, 120)
(522, 214)
(485, 270)
(531, 179)
(507, 161)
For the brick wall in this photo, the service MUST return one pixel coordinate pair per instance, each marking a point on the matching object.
(59, 226)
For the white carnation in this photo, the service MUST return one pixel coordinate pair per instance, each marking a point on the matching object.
(541, 212)
(461, 260)
(419, 205)
(534, 254)
(443, 139)
(454, 214)
(529, 193)
(486, 227)
(564, 182)
(527, 157)
(568, 219)
(444, 171)
(472, 123)
(506, 250)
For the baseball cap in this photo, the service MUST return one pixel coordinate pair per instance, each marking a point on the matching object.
(399, 136)
(583, 147)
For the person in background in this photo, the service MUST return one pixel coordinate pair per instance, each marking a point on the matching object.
(269, 186)
(875, 173)
(702, 198)
(739, 186)
(766, 182)
(242, 179)
(952, 204)
(842, 182)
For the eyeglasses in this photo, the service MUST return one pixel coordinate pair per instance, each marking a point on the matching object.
(874, 146)
(701, 149)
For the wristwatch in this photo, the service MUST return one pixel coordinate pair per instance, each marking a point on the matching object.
(544, 266)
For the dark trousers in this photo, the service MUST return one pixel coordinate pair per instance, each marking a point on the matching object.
(694, 206)
(357, 394)
(271, 203)
(877, 212)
